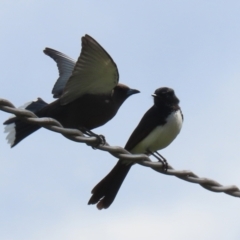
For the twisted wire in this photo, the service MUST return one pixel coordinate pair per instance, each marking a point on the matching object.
(118, 152)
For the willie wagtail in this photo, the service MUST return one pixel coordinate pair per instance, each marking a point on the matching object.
(157, 129)
(88, 91)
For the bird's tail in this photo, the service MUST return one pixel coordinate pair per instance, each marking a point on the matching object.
(106, 190)
(16, 129)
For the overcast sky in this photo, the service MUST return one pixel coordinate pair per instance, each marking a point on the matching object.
(190, 46)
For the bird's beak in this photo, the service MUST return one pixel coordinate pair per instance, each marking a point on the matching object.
(132, 91)
(154, 95)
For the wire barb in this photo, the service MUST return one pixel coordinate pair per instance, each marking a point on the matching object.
(118, 152)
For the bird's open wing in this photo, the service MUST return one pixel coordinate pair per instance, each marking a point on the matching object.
(65, 67)
(94, 73)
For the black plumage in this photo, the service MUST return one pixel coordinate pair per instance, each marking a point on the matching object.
(88, 91)
(157, 129)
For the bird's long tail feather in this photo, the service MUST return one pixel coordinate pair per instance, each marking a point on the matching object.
(16, 129)
(106, 190)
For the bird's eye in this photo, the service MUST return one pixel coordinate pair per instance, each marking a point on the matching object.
(168, 93)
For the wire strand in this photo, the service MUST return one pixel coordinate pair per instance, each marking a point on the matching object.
(118, 152)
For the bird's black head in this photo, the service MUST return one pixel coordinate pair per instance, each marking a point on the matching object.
(121, 92)
(165, 96)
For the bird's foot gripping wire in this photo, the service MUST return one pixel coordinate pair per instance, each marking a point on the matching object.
(100, 138)
(161, 159)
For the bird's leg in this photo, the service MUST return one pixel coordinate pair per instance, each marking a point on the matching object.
(100, 138)
(164, 161)
(161, 159)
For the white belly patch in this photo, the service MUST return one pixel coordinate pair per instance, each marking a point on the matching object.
(161, 136)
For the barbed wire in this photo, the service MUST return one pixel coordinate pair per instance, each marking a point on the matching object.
(118, 152)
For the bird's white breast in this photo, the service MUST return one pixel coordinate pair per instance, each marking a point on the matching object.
(161, 136)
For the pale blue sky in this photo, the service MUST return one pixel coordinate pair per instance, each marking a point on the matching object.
(46, 180)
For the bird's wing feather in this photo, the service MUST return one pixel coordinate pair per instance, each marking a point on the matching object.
(148, 122)
(94, 73)
(65, 67)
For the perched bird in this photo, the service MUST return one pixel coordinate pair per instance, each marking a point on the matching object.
(88, 91)
(157, 129)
